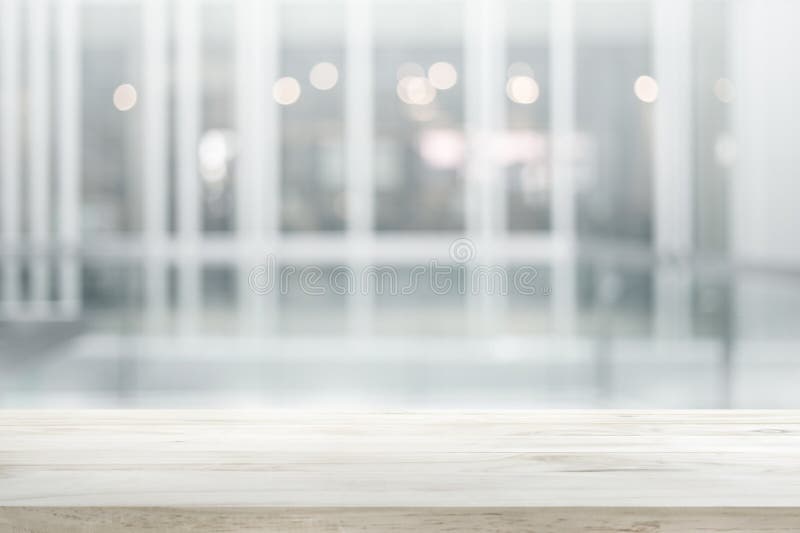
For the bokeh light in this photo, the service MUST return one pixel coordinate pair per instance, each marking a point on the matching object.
(324, 76)
(286, 91)
(646, 89)
(125, 97)
(416, 90)
(442, 75)
(522, 89)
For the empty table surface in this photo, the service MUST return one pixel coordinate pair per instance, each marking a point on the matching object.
(498, 470)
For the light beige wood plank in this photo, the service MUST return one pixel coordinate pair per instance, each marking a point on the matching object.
(356, 470)
(393, 519)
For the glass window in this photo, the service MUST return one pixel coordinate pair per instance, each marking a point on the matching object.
(313, 299)
(311, 90)
(217, 142)
(111, 75)
(615, 91)
(527, 80)
(715, 148)
(419, 145)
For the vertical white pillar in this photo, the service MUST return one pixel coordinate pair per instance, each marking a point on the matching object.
(154, 121)
(494, 101)
(254, 30)
(69, 135)
(562, 199)
(359, 118)
(154, 160)
(359, 146)
(672, 201)
(484, 193)
(480, 100)
(39, 152)
(9, 152)
(762, 216)
(492, 183)
(496, 305)
(270, 144)
(187, 102)
(258, 176)
(474, 42)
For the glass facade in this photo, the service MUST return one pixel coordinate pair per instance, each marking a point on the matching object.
(261, 180)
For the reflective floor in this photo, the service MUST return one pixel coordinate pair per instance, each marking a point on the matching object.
(103, 370)
(733, 344)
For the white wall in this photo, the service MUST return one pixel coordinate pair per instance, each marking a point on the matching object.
(765, 223)
(765, 219)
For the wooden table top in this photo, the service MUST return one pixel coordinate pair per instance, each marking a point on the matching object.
(473, 461)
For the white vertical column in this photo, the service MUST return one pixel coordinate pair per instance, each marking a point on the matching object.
(496, 218)
(359, 119)
(359, 146)
(270, 144)
(481, 112)
(253, 31)
(9, 152)
(39, 151)
(187, 102)
(154, 159)
(474, 43)
(562, 199)
(69, 198)
(763, 218)
(672, 161)
(258, 177)
(484, 193)
(494, 101)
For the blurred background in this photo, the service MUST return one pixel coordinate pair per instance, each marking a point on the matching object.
(641, 155)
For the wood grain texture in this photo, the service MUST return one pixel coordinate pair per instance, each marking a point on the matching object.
(392, 471)
(399, 519)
